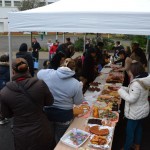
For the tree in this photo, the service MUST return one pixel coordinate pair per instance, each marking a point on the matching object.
(29, 4)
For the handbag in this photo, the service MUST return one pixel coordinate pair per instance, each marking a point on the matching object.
(36, 64)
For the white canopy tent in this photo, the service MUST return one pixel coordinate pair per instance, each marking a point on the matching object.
(85, 16)
(90, 16)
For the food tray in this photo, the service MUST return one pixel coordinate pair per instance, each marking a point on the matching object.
(108, 112)
(99, 120)
(75, 138)
(108, 138)
(81, 110)
(104, 122)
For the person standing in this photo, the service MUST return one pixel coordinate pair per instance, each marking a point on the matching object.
(66, 90)
(136, 104)
(57, 61)
(49, 44)
(4, 78)
(36, 47)
(23, 53)
(52, 50)
(89, 68)
(24, 99)
(117, 48)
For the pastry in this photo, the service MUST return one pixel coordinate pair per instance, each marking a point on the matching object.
(101, 132)
(77, 111)
(82, 109)
(95, 121)
(99, 140)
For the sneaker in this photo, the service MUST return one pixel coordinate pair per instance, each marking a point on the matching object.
(4, 121)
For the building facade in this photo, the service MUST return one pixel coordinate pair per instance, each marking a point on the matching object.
(12, 6)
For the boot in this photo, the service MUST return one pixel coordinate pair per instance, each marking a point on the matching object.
(137, 147)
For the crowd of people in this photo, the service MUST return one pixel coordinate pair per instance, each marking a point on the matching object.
(42, 107)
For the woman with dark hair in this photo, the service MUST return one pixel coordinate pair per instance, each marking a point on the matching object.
(57, 60)
(128, 51)
(24, 99)
(89, 69)
(136, 104)
(23, 53)
(138, 54)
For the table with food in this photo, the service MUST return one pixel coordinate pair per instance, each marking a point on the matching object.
(96, 118)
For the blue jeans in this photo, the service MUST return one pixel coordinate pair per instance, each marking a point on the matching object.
(133, 133)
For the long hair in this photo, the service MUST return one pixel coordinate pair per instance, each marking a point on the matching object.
(139, 52)
(137, 68)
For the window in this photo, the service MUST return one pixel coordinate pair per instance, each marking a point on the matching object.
(0, 3)
(16, 3)
(7, 3)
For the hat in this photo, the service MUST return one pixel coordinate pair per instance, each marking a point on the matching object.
(20, 65)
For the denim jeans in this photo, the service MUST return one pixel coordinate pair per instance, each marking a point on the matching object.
(133, 133)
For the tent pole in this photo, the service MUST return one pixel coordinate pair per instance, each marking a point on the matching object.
(84, 42)
(63, 37)
(10, 55)
(31, 38)
(148, 53)
(56, 35)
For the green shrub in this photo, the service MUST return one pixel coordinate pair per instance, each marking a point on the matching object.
(108, 43)
(79, 44)
(43, 49)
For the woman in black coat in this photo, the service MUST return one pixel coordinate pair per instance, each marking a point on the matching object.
(89, 69)
(23, 53)
(24, 99)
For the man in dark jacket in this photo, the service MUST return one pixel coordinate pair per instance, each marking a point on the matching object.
(36, 47)
(27, 56)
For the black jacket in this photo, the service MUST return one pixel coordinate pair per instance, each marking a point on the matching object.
(88, 70)
(4, 74)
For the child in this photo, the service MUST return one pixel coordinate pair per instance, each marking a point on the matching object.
(136, 104)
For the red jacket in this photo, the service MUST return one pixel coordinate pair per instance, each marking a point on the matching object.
(53, 49)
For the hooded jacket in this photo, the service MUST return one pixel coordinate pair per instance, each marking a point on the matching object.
(65, 89)
(136, 98)
(31, 126)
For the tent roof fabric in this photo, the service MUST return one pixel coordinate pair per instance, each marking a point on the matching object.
(88, 16)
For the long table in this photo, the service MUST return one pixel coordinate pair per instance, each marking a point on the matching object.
(80, 122)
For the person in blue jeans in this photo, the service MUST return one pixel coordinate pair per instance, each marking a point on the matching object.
(136, 104)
